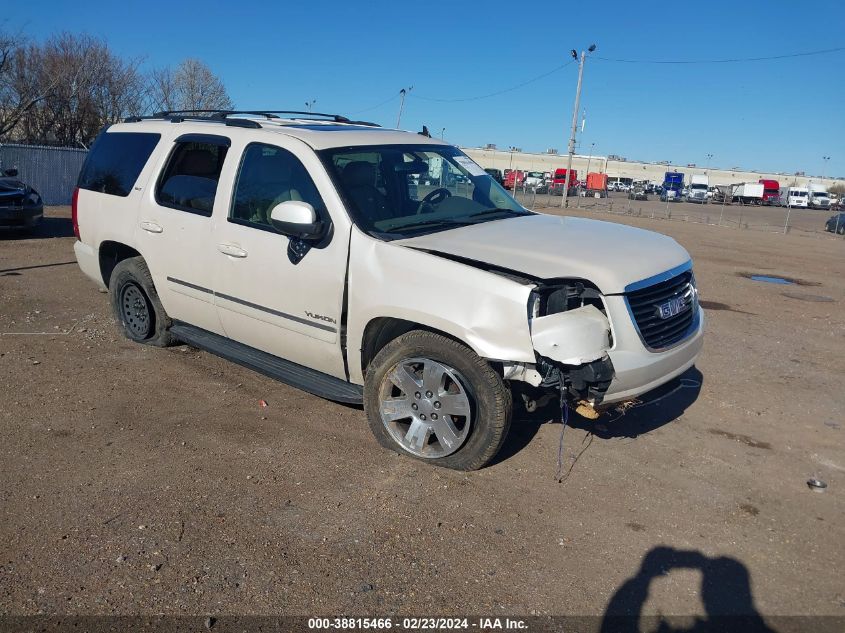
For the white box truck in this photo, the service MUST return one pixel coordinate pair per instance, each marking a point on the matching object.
(699, 183)
(749, 193)
(794, 197)
(819, 198)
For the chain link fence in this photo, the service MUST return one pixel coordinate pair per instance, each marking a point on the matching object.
(51, 171)
(768, 219)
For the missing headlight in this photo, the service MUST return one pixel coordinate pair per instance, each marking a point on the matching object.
(564, 296)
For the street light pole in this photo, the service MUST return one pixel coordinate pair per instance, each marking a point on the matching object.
(442, 133)
(709, 156)
(564, 202)
(824, 165)
(310, 104)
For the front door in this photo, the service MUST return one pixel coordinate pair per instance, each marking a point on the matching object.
(268, 295)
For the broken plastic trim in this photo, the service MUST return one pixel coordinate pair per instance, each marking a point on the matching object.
(584, 384)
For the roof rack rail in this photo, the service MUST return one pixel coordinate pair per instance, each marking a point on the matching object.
(229, 117)
(179, 118)
(274, 114)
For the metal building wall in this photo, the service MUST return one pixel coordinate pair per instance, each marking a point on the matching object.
(51, 171)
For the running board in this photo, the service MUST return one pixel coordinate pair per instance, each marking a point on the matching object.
(309, 380)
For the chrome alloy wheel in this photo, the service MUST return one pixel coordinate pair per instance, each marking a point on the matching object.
(425, 407)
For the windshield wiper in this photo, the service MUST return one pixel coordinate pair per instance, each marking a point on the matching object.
(496, 211)
(413, 225)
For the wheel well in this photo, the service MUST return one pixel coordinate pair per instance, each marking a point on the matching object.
(379, 332)
(111, 254)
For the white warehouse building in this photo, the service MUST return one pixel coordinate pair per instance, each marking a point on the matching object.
(616, 167)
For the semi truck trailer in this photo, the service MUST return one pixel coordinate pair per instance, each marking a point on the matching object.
(749, 193)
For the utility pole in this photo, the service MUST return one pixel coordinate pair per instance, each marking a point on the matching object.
(402, 94)
(564, 201)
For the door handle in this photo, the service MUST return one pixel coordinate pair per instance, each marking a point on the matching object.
(151, 227)
(232, 250)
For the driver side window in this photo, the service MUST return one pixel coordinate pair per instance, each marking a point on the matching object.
(268, 176)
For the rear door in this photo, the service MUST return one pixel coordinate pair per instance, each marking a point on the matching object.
(268, 294)
(175, 227)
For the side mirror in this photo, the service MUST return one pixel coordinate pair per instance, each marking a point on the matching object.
(11, 173)
(298, 219)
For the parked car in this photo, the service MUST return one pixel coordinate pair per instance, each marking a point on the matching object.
(638, 193)
(836, 224)
(294, 246)
(21, 206)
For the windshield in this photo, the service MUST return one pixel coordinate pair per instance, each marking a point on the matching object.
(798, 194)
(820, 194)
(696, 186)
(395, 191)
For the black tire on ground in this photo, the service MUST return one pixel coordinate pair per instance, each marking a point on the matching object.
(841, 230)
(490, 397)
(136, 306)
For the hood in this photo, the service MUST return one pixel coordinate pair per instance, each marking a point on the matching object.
(547, 247)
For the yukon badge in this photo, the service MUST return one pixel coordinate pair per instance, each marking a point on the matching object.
(320, 317)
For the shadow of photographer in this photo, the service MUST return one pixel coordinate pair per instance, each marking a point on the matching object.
(725, 592)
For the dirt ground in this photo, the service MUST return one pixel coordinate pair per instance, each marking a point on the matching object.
(142, 480)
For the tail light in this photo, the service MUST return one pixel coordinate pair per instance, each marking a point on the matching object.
(74, 212)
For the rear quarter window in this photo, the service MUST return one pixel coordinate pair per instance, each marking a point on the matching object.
(116, 160)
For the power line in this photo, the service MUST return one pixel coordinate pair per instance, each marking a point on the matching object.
(723, 61)
(386, 101)
(498, 92)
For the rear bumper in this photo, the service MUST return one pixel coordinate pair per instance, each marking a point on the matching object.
(20, 217)
(89, 261)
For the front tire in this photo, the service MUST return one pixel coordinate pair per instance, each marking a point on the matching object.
(136, 305)
(434, 399)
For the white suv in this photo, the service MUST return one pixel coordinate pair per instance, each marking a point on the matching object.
(309, 249)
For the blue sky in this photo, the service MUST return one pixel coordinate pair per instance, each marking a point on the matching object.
(779, 115)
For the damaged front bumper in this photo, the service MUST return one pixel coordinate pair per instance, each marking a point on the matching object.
(601, 361)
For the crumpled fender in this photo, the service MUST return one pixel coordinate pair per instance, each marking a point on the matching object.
(574, 337)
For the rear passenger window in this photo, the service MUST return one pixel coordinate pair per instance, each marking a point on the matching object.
(268, 176)
(115, 162)
(189, 182)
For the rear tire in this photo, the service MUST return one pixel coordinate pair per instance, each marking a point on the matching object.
(434, 399)
(136, 305)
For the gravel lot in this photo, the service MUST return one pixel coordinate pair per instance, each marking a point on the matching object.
(141, 480)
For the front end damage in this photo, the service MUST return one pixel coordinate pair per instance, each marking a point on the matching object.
(571, 336)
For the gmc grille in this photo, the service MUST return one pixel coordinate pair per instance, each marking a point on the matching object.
(659, 333)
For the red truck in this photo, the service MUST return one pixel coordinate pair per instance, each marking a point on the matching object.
(510, 174)
(559, 181)
(771, 191)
